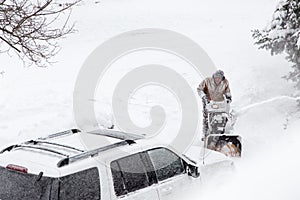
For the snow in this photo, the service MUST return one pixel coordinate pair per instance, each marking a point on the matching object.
(38, 101)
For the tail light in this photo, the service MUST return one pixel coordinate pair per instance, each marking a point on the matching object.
(17, 168)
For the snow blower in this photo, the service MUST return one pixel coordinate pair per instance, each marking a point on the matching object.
(220, 136)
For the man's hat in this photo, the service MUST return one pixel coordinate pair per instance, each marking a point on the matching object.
(218, 73)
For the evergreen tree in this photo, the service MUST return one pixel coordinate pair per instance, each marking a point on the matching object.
(283, 35)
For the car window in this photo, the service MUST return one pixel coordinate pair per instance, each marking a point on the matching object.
(129, 174)
(18, 185)
(81, 185)
(119, 185)
(166, 163)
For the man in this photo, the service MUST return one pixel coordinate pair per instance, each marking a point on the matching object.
(213, 88)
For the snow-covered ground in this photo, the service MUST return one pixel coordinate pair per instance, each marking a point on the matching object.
(38, 101)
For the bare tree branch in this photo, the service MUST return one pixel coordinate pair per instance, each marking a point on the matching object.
(10, 44)
(32, 27)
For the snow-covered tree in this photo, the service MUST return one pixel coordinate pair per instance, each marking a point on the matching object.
(283, 35)
(31, 28)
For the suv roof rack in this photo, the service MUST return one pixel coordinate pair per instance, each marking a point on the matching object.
(128, 139)
(59, 134)
(32, 147)
(34, 142)
(28, 144)
(72, 159)
(116, 134)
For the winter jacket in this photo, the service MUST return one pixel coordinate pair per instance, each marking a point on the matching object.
(213, 91)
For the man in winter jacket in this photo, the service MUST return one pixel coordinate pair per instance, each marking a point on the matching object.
(213, 88)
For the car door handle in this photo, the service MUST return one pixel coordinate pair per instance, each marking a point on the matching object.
(167, 190)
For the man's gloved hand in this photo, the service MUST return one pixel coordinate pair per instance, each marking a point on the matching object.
(228, 98)
(202, 95)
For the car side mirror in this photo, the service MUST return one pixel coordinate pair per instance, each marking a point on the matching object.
(193, 171)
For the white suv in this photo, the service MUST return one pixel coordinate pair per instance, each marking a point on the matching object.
(129, 168)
